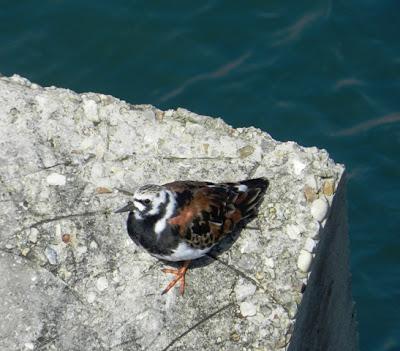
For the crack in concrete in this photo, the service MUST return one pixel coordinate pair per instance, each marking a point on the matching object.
(37, 171)
(42, 344)
(237, 271)
(59, 218)
(72, 215)
(127, 342)
(252, 280)
(31, 262)
(203, 320)
(78, 198)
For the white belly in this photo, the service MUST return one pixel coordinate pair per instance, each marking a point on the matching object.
(184, 252)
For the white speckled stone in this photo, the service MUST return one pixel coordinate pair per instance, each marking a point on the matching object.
(311, 182)
(248, 309)
(51, 255)
(25, 251)
(29, 346)
(81, 250)
(91, 296)
(102, 284)
(298, 166)
(244, 289)
(269, 262)
(310, 245)
(293, 231)
(56, 179)
(319, 209)
(304, 261)
(33, 235)
(90, 108)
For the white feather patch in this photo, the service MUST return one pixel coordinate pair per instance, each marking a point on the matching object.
(241, 187)
(139, 205)
(160, 226)
(184, 252)
(169, 211)
(157, 200)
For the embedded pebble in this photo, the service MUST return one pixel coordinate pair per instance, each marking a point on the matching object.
(58, 230)
(248, 309)
(298, 166)
(29, 346)
(93, 245)
(56, 179)
(260, 275)
(91, 297)
(90, 108)
(315, 230)
(293, 231)
(310, 245)
(319, 209)
(311, 182)
(33, 235)
(304, 261)
(20, 80)
(235, 337)
(102, 283)
(329, 187)
(169, 113)
(103, 190)
(66, 238)
(249, 246)
(25, 251)
(244, 289)
(269, 262)
(81, 250)
(65, 273)
(51, 255)
(309, 193)
(246, 151)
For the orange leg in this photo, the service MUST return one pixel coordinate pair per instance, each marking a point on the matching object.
(180, 276)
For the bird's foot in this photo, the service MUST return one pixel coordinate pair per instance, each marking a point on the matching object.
(180, 277)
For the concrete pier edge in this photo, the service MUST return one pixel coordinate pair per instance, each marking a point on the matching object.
(72, 278)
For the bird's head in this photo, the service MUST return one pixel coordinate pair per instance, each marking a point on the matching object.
(148, 201)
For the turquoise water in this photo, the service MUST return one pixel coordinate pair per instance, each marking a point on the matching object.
(321, 73)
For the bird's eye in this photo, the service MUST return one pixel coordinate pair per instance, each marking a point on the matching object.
(147, 201)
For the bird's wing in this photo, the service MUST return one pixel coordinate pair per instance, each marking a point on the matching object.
(208, 212)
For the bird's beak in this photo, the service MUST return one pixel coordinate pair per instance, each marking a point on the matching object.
(129, 207)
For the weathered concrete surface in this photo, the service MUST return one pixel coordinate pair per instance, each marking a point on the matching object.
(73, 280)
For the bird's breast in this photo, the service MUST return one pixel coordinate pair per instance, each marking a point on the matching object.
(143, 233)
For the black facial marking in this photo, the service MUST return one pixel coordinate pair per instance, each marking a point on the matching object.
(143, 202)
(161, 210)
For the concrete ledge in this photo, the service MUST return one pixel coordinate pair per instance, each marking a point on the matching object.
(73, 280)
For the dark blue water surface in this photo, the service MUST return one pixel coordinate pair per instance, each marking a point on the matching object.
(324, 73)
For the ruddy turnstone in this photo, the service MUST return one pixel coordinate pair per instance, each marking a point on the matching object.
(184, 220)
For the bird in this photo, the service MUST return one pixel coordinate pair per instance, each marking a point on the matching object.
(183, 220)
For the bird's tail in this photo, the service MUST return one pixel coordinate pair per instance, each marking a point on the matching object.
(251, 196)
